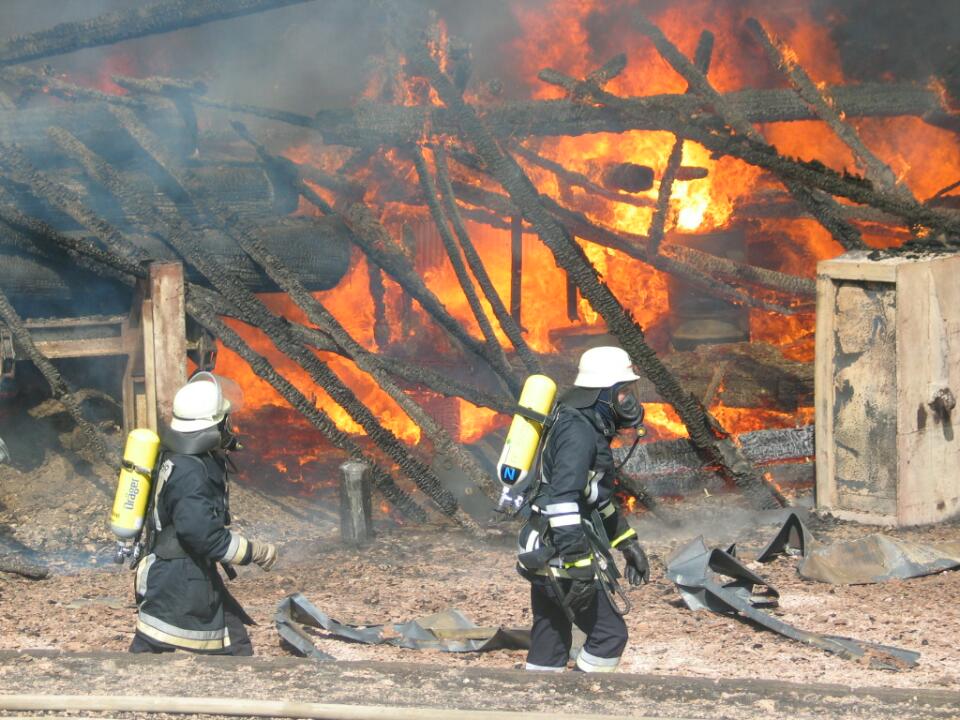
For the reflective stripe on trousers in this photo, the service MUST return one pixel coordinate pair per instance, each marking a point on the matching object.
(591, 663)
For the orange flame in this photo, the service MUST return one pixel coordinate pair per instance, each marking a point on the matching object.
(565, 36)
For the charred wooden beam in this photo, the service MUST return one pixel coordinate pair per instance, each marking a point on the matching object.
(494, 352)
(516, 267)
(114, 27)
(16, 565)
(206, 315)
(381, 326)
(791, 285)
(179, 237)
(659, 221)
(774, 205)
(508, 324)
(273, 326)
(58, 386)
(371, 124)
(93, 124)
(704, 431)
(673, 456)
(822, 104)
(160, 85)
(34, 81)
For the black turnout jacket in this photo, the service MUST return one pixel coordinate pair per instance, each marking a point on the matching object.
(576, 479)
(180, 594)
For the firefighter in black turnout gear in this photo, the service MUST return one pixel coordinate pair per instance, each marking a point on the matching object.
(182, 600)
(574, 520)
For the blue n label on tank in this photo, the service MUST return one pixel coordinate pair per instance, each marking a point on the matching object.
(509, 474)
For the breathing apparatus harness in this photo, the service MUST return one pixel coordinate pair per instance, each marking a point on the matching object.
(613, 409)
(218, 439)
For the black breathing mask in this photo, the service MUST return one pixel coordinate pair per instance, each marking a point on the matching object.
(228, 440)
(627, 409)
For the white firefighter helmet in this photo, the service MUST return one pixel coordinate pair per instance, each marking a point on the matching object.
(204, 402)
(602, 367)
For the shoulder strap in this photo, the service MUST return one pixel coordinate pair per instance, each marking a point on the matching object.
(536, 472)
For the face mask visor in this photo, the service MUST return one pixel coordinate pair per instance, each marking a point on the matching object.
(626, 404)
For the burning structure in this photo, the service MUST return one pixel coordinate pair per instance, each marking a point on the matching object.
(664, 173)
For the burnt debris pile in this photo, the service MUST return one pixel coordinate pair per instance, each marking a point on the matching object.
(95, 184)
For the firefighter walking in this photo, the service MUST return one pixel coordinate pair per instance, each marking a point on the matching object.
(181, 599)
(574, 521)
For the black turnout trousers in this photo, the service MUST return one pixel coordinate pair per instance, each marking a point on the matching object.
(552, 632)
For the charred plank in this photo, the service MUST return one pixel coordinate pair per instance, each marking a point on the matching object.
(113, 27)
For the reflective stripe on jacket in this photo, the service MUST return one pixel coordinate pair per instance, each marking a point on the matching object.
(180, 594)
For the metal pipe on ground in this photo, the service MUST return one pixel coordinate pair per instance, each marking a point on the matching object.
(269, 708)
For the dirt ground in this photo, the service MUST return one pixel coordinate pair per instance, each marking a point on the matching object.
(53, 513)
(408, 572)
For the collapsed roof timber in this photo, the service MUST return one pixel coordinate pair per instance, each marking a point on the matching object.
(109, 181)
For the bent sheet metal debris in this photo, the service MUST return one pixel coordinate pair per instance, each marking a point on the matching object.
(447, 631)
(875, 558)
(716, 580)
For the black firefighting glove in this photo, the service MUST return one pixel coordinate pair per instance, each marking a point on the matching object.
(583, 588)
(637, 566)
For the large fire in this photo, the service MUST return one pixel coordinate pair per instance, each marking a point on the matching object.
(576, 38)
(560, 36)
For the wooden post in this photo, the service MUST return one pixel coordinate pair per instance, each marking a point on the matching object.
(516, 266)
(169, 335)
(134, 404)
(356, 524)
(154, 338)
(149, 396)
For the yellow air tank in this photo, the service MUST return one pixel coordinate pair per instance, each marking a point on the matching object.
(133, 487)
(523, 439)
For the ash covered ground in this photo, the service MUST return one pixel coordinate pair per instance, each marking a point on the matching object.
(55, 515)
